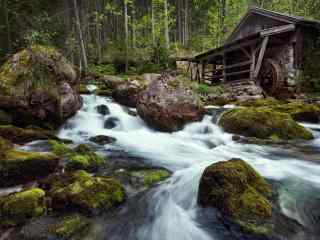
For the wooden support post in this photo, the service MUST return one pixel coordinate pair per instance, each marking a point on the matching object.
(261, 56)
(204, 64)
(224, 68)
(253, 63)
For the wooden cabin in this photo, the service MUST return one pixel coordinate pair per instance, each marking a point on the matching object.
(272, 49)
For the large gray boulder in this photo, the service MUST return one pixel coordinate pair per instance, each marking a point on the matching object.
(168, 104)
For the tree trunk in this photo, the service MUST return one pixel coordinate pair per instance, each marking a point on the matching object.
(126, 34)
(8, 28)
(166, 24)
(81, 39)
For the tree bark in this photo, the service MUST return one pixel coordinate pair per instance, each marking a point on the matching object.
(81, 39)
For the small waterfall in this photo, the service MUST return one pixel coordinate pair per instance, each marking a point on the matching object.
(170, 211)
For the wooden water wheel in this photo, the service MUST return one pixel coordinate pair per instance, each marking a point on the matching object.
(271, 77)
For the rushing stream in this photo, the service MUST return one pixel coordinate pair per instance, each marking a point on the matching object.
(169, 211)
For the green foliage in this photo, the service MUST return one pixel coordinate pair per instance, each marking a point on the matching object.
(103, 69)
(203, 88)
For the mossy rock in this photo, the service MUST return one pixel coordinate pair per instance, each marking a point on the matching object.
(5, 145)
(300, 111)
(18, 167)
(263, 123)
(24, 135)
(80, 158)
(261, 102)
(83, 89)
(237, 191)
(81, 191)
(39, 66)
(70, 226)
(150, 177)
(17, 208)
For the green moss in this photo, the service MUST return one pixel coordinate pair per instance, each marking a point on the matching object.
(5, 145)
(238, 191)
(203, 88)
(81, 190)
(60, 149)
(80, 158)
(263, 123)
(262, 229)
(83, 89)
(37, 67)
(70, 226)
(262, 102)
(152, 177)
(300, 111)
(19, 207)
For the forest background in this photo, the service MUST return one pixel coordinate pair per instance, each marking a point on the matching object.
(133, 36)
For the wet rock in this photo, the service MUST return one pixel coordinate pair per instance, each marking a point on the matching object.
(238, 192)
(263, 123)
(5, 118)
(18, 167)
(25, 135)
(70, 226)
(80, 158)
(112, 81)
(54, 98)
(103, 110)
(82, 192)
(127, 93)
(111, 123)
(17, 208)
(102, 140)
(167, 104)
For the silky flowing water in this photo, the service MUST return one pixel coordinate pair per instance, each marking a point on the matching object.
(169, 211)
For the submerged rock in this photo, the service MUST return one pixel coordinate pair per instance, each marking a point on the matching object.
(17, 208)
(102, 139)
(263, 123)
(168, 104)
(82, 192)
(238, 192)
(73, 225)
(40, 81)
(111, 122)
(103, 110)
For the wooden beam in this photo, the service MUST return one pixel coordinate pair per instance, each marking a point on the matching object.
(224, 67)
(278, 30)
(245, 52)
(241, 64)
(261, 56)
(237, 73)
(253, 62)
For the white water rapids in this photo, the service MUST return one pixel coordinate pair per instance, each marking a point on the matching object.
(187, 153)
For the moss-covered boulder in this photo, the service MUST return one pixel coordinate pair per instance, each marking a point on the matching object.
(70, 226)
(24, 135)
(19, 167)
(17, 208)
(300, 111)
(80, 158)
(263, 123)
(82, 192)
(238, 192)
(43, 82)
